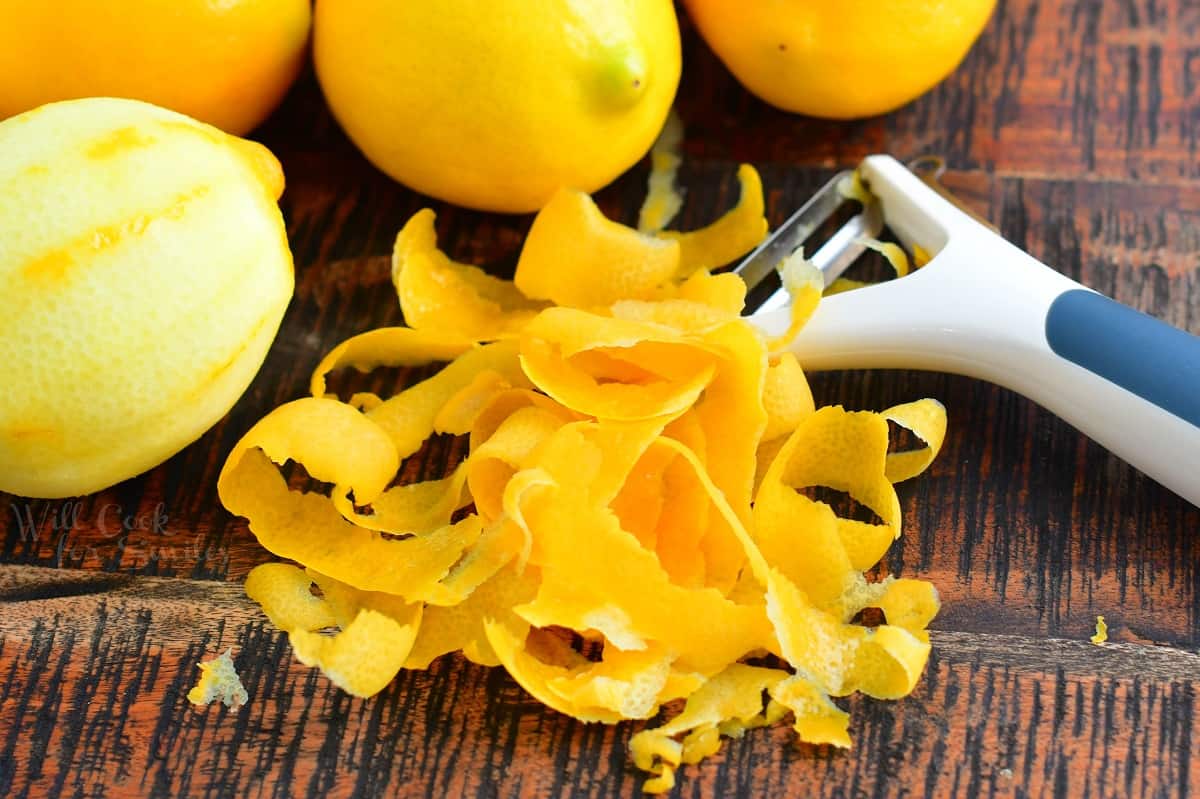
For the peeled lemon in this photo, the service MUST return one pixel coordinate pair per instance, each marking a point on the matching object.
(145, 269)
(497, 104)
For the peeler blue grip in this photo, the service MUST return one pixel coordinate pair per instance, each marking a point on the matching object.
(1157, 362)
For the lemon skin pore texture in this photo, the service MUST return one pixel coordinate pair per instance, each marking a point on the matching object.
(840, 59)
(493, 105)
(146, 269)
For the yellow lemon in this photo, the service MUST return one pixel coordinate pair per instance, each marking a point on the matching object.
(227, 63)
(840, 58)
(145, 269)
(496, 104)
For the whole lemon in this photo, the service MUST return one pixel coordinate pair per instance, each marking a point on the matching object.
(840, 59)
(227, 63)
(145, 269)
(496, 104)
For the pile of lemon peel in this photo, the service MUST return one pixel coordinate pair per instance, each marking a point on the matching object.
(630, 524)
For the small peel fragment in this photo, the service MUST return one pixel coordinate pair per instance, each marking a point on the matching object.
(817, 719)
(219, 680)
(732, 699)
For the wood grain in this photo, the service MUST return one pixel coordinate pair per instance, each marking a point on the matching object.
(1073, 125)
(93, 702)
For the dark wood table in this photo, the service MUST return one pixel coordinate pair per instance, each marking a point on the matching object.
(1074, 125)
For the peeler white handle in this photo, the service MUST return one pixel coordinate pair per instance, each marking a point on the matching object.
(985, 309)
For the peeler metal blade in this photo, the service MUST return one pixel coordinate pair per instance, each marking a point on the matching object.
(833, 257)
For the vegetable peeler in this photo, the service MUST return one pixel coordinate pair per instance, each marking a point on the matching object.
(983, 308)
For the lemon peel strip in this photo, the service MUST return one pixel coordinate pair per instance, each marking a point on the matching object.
(817, 719)
(627, 683)
(410, 417)
(460, 627)
(442, 295)
(736, 233)
(618, 262)
(908, 603)
(364, 657)
(284, 592)
(893, 252)
(377, 633)
(536, 676)
(410, 508)
(920, 256)
(605, 581)
(926, 419)
(336, 444)
(805, 284)
(664, 198)
(843, 284)
(787, 398)
(388, 346)
(671, 386)
(853, 188)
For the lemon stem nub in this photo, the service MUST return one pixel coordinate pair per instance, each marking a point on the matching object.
(621, 76)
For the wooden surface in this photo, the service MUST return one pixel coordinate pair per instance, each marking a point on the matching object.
(1073, 125)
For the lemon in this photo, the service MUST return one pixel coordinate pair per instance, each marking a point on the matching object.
(227, 63)
(496, 104)
(145, 270)
(840, 59)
